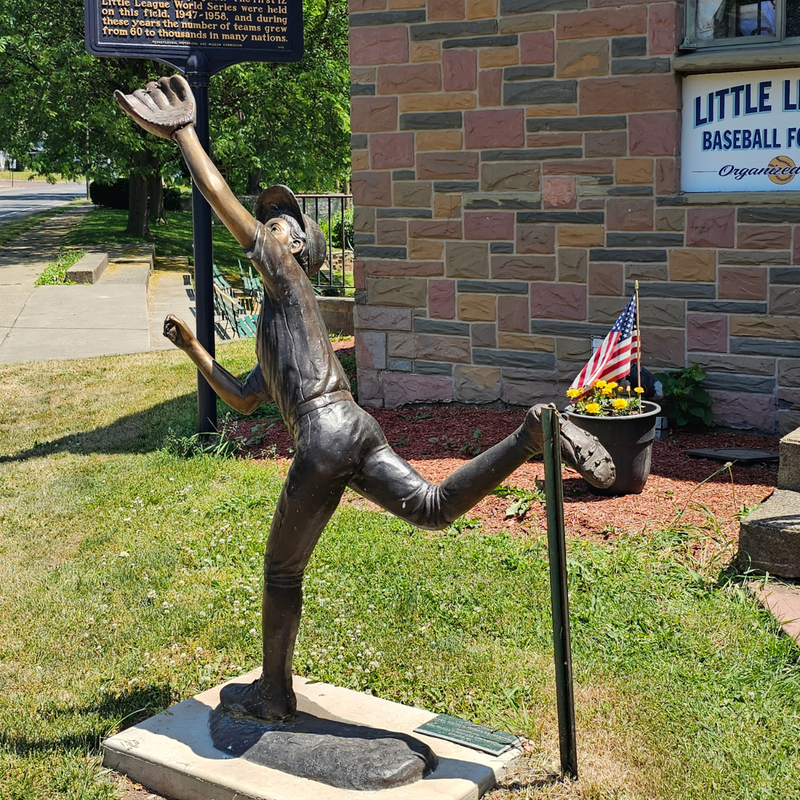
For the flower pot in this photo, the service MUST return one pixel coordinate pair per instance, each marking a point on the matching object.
(629, 441)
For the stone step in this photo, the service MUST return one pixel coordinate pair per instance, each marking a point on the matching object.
(133, 252)
(789, 468)
(782, 600)
(131, 264)
(89, 268)
(769, 537)
(136, 272)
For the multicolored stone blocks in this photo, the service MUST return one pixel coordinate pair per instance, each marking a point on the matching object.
(516, 169)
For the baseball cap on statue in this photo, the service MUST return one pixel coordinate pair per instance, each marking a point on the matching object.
(280, 199)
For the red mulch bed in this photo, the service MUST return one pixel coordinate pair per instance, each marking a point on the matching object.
(432, 439)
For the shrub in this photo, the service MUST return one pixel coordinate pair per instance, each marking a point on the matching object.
(172, 200)
(110, 195)
(115, 195)
(686, 404)
(339, 223)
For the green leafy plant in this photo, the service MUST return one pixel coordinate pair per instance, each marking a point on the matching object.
(522, 499)
(201, 444)
(474, 447)
(338, 226)
(686, 404)
(348, 363)
(418, 415)
(55, 273)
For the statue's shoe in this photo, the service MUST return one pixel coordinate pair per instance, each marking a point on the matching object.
(579, 449)
(249, 699)
(584, 453)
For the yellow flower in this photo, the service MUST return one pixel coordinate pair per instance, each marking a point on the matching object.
(619, 404)
(639, 390)
(621, 389)
(593, 408)
(573, 392)
(600, 384)
(612, 385)
(607, 391)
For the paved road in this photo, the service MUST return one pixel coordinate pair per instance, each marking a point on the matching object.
(28, 197)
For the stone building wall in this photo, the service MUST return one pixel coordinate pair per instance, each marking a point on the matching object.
(515, 169)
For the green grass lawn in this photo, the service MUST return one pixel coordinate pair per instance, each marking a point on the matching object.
(105, 226)
(28, 175)
(130, 579)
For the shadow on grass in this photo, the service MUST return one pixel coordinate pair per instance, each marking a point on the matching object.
(548, 780)
(112, 712)
(141, 432)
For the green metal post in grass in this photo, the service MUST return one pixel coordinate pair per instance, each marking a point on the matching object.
(554, 491)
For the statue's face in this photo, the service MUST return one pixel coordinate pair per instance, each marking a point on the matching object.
(281, 230)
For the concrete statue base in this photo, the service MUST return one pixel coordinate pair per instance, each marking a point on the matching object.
(344, 745)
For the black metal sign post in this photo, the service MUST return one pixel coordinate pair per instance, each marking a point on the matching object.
(198, 38)
(198, 76)
(557, 550)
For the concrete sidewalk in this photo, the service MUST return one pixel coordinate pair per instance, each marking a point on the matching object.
(122, 313)
(21, 261)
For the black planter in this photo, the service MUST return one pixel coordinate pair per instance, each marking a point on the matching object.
(629, 441)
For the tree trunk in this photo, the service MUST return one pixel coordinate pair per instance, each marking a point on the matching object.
(254, 182)
(155, 191)
(137, 198)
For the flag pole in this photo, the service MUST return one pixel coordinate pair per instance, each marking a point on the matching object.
(638, 345)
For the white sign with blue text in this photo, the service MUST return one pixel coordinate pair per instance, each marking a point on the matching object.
(741, 132)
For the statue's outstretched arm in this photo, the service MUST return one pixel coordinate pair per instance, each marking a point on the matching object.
(166, 108)
(244, 397)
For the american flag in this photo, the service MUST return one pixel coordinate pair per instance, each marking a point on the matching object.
(612, 360)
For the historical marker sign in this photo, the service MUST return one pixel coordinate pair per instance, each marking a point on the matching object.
(225, 31)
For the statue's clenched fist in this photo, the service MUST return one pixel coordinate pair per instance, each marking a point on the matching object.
(178, 332)
(163, 107)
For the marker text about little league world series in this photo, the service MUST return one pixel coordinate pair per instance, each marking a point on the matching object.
(234, 22)
(743, 101)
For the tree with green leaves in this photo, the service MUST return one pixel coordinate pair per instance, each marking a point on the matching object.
(289, 123)
(282, 122)
(56, 111)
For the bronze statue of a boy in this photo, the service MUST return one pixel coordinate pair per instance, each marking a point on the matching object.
(337, 444)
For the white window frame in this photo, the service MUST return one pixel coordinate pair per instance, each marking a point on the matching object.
(693, 42)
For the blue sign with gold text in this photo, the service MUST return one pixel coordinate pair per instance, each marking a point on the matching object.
(741, 132)
(224, 31)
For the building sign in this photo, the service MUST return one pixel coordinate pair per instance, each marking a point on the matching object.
(741, 132)
(225, 31)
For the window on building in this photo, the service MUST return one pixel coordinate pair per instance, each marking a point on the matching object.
(715, 23)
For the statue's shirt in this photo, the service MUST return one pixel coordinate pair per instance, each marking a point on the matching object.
(292, 344)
